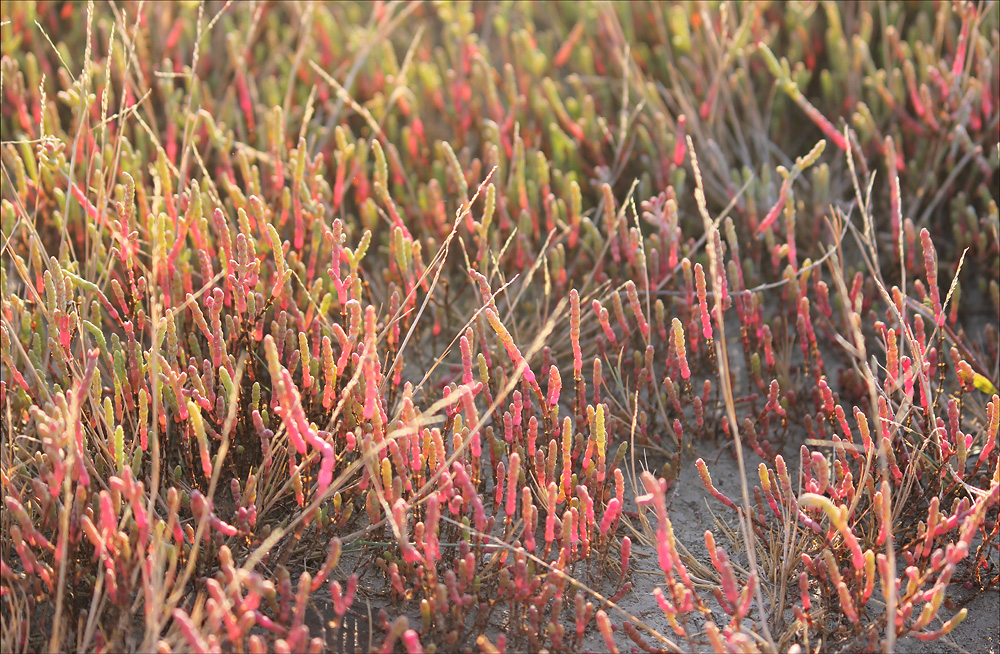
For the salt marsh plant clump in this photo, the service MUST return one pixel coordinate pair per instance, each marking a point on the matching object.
(400, 326)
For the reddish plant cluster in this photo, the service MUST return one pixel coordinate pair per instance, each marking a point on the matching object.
(420, 333)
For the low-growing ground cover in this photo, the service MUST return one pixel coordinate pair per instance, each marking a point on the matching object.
(499, 326)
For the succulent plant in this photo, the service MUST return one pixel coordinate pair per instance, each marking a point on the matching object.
(417, 318)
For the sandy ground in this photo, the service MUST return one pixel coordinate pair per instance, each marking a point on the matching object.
(692, 511)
